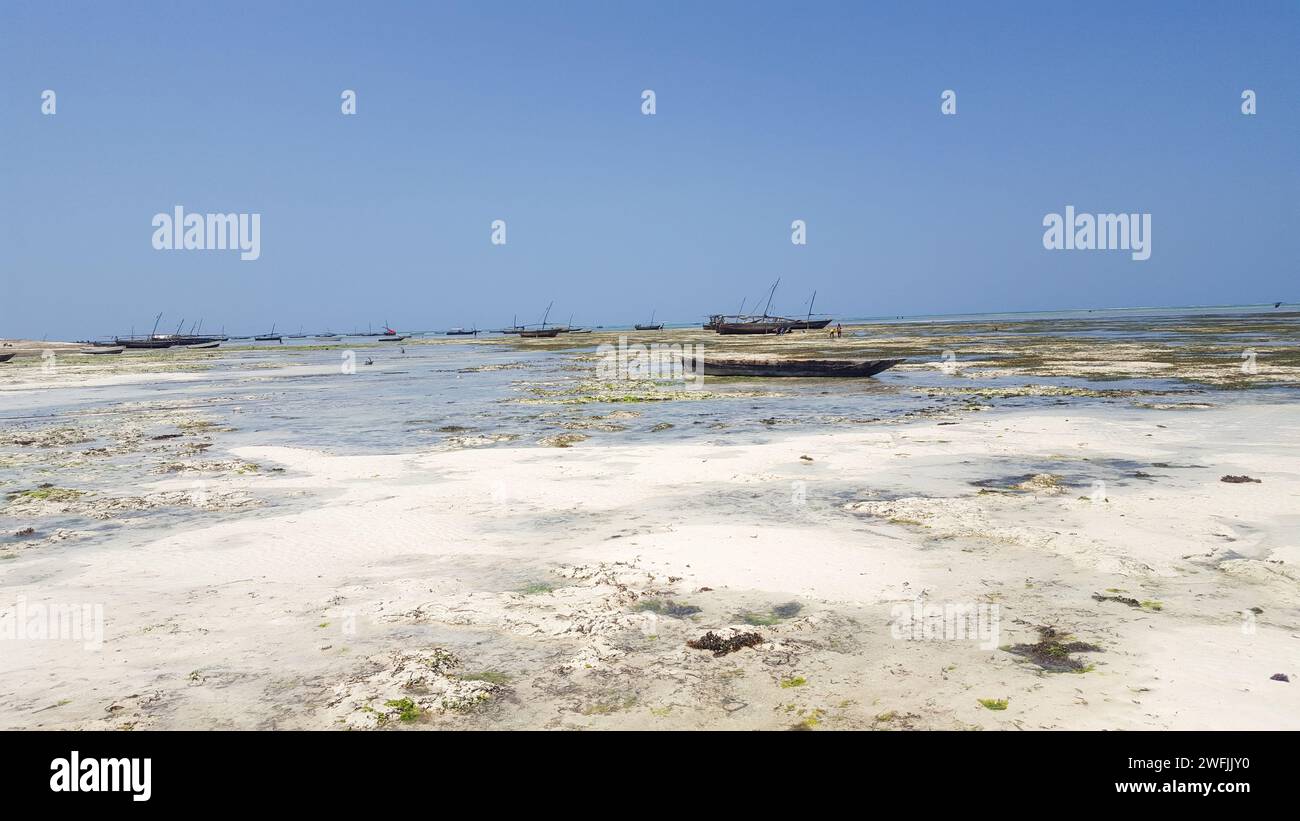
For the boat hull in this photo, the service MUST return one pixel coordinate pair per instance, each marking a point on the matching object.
(751, 328)
(540, 334)
(794, 368)
(809, 325)
(144, 344)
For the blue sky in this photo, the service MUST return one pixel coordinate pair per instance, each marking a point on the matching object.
(531, 113)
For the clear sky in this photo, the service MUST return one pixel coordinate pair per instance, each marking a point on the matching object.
(531, 113)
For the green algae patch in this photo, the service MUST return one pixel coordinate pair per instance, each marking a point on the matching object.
(668, 607)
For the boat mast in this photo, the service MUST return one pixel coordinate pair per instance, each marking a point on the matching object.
(770, 294)
(548, 313)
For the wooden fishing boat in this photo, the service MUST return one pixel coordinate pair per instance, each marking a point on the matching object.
(143, 344)
(98, 348)
(268, 338)
(200, 346)
(650, 326)
(462, 332)
(809, 324)
(541, 332)
(514, 328)
(771, 367)
(392, 337)
(754, 326)
(5, 357)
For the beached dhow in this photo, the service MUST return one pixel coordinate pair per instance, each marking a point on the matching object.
(151, 342)
(774, 367)
(541, 332)
(650, 326)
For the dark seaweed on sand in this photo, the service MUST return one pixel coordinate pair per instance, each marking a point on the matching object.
(1131, 602)
(1052, 651)
(721, 647)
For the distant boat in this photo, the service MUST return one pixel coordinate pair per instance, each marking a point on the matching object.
(814, 368)
(650, 326)
(196, 346)
(808, 323)
(270, 337)
(98, 348)
(462, 332)
(543, 332)
(393, 337)
(328, 338)
(570, 329)
(752, 325)
(514, 328)
(152, 342)
(5, 357)
(765, 323)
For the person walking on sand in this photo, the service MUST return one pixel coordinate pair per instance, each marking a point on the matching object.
(839, 330)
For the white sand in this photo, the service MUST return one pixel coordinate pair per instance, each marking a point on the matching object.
(293, 619)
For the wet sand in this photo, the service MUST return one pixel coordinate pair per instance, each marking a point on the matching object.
(497, 582)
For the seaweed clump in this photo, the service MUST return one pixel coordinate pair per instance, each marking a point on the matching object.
(1131, 602)
(1052, 652)
(721, 647)
(678, 610)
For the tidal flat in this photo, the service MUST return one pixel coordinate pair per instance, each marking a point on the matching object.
(486, 533)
